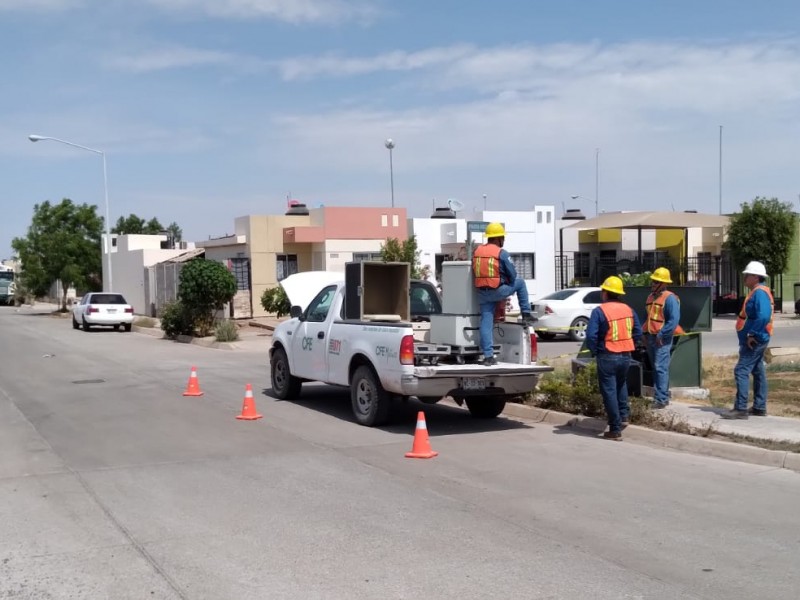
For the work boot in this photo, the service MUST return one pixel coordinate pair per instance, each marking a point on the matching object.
(613, 435)
(529, 318)
(758, 412)
(489, 361)
(734, 414)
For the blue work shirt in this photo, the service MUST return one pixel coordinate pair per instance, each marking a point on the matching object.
(759, 312)
(672, 315)
(597, 329)
(508, 274)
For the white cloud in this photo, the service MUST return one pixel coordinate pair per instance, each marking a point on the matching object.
(338, 66)
(291, 11)
(173, 57)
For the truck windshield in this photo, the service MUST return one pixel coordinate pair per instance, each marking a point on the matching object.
(6, 275)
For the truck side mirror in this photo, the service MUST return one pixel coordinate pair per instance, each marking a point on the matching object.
(295, 312)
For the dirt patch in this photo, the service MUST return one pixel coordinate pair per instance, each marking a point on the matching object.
(783, 381)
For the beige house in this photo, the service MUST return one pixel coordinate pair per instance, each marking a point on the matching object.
(266, 248)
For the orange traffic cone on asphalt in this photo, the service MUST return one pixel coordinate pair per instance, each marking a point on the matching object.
(249, 406)
(422, 446)
(193, 387)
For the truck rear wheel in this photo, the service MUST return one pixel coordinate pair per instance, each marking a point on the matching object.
(371, 403)
(486, 407)
(285, 386)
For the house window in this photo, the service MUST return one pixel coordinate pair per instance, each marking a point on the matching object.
(384, 220)
(549, 216)
(524, 264)
(395, 220)
(538, 216)
(366, 256)
(285, 265)
(240, 267)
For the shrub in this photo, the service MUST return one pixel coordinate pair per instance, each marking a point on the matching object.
(226, 331)
(274, 300)
(581, 396)
(205, 287)
(176, 320)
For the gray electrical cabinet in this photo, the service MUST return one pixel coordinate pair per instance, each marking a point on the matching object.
(459, 296)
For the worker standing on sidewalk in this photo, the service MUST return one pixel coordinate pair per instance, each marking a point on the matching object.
(663, 315)
(754, 328)
(611, 335)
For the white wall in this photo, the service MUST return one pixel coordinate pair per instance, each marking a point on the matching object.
(334, 254)
(630, 239)
(128, 260)
(534, 232)
(433, 235)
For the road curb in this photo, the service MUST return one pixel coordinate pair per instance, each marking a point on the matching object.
(186, 339)
(665, 439)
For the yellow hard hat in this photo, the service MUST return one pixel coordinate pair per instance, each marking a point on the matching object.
(613, 284)
(494, 230)
(661, 274)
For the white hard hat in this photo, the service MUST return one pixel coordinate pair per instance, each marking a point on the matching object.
(755, 268)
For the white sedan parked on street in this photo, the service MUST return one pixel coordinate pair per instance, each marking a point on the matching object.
(565, 312)
(102, 308)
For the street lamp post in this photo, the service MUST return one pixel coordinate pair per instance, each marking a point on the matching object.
(577, 196)
(390, 145)
(37, 138)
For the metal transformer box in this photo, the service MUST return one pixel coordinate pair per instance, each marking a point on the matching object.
(459, 296)
(462, 331)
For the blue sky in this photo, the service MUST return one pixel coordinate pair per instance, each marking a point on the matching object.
(212, 109)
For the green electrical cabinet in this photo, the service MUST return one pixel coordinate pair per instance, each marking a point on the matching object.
(686, 365)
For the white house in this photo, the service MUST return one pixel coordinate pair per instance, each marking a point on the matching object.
(129, 257)
(530, 240)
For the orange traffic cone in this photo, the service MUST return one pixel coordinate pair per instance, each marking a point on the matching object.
(249, 406)
(421, 447)
(193, 387)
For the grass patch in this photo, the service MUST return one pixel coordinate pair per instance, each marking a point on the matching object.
(783, 381)
(782, 445)
(226, 331)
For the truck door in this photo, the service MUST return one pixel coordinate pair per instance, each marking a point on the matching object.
(309, 346)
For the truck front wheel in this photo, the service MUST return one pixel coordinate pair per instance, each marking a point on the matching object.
(371, 403)
(285, 386)
(486, 407)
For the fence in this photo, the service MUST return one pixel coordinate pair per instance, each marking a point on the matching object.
(717, 272)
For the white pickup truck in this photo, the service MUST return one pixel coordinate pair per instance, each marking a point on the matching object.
(382, 362)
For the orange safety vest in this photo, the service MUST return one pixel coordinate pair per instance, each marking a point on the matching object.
(619, 337)
(743, 313)
(486, 266)
(655, 313)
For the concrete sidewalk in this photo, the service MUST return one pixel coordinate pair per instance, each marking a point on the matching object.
(780, 429)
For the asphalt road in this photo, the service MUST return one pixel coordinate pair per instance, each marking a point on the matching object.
(114, 485)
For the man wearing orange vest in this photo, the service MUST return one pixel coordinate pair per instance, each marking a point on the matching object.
(754, 328)
(663, 314)
(612, 334)
(496, 279)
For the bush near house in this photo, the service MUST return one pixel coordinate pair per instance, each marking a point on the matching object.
(205, 287)
(176, 320)
(274, 301)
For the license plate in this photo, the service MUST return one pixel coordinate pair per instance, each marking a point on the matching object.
(473, 383)
(111, 310)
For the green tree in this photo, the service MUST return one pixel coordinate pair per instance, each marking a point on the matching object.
(763, 231)
(393, 250)
(205, 286)
(175, 231)
(63, 243)
(135, 225)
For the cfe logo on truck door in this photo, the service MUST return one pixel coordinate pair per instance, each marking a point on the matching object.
(307, 343)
